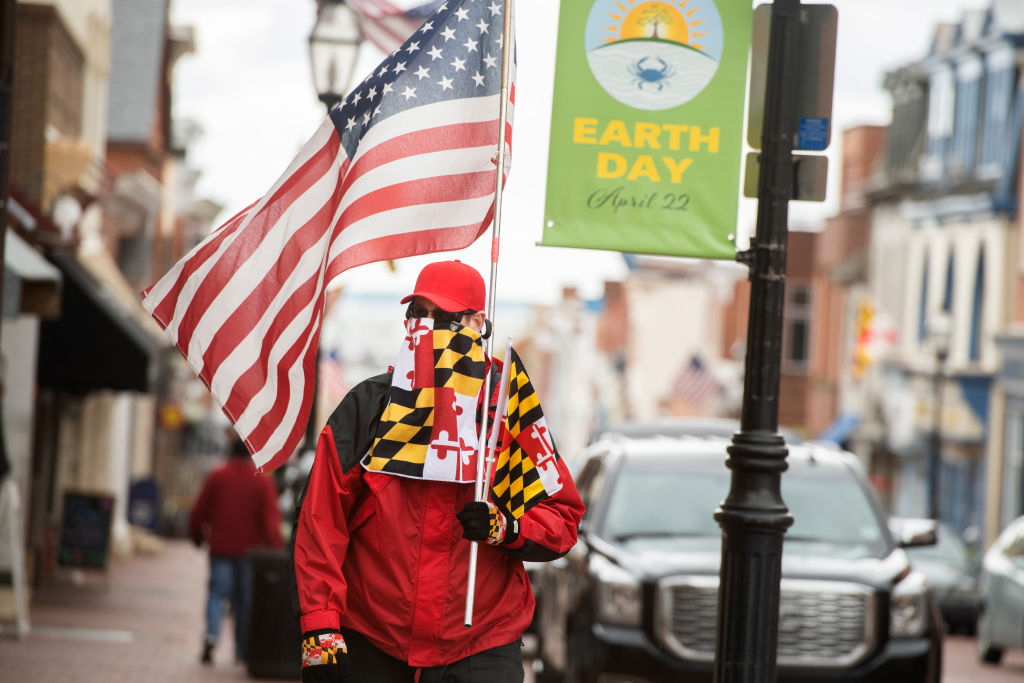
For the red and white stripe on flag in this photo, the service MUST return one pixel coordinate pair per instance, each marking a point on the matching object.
(246, 305)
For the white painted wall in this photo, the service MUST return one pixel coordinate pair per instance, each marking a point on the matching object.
(20, 344)
(965, 240)
(670, 320)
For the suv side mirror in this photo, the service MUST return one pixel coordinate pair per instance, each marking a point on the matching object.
(913, 533)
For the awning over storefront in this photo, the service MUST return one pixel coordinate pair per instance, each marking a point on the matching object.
(840, 429)
(96, 343)
(31, 283)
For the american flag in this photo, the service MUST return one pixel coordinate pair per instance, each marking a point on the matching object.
(332, 376)
(404, 165)
(695, 385)
(387, 24)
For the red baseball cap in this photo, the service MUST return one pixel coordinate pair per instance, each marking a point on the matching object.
(452, 286)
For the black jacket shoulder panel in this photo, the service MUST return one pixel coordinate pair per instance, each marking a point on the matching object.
(353, 422)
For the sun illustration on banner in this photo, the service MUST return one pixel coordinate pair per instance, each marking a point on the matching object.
(661, 20)
(654, 54)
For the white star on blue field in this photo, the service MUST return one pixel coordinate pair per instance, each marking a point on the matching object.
(456, 54)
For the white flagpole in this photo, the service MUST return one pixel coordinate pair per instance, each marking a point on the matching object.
(506, 52)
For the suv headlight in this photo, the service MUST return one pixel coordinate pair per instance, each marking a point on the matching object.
(616, 594)
(908, 607)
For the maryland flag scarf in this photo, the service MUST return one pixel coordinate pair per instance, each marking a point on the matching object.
(428, 429)
(527, 469)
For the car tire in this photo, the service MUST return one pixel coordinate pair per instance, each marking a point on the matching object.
(987, 652)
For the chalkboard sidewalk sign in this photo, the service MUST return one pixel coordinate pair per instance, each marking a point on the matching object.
(85, 530)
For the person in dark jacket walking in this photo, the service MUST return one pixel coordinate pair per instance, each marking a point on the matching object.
(381, 561)
(236, 511)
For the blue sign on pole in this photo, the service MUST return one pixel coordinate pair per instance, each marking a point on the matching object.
(812, 134)
(815, 79)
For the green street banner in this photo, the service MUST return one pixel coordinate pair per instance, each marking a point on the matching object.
(647, 126)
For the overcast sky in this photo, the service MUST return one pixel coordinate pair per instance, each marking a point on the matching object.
(249, 87)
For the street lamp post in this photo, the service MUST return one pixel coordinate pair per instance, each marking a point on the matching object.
(753, 516)
(938, 330)
(333, 50)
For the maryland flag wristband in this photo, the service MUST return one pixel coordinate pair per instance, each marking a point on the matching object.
(502, 530)
(322, 648)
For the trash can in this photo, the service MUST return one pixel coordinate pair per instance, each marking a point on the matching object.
(274, 635)
(144, 503)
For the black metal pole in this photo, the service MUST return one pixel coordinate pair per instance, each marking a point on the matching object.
(8, 14)
(330, 100)
(753, 516)
(935, 450)
(312, 432)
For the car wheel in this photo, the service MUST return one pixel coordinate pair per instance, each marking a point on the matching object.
(987, 652)
(969, 628)
(935, 662)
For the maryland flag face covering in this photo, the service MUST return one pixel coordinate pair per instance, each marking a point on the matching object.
(527, 464)
(428, 429)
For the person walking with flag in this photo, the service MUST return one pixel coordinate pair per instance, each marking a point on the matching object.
(412, 161)
(380, 542)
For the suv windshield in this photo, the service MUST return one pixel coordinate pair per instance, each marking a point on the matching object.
(828, 507)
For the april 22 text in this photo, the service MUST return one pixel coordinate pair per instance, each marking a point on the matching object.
(617, 198)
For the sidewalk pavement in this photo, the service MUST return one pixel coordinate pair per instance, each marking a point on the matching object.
(141, 620)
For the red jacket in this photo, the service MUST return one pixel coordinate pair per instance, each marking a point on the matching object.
(236, 510)
(384, 555)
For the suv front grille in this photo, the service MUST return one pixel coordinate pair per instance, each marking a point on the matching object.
(821, 623)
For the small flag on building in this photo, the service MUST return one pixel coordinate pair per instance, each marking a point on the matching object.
(332, 376)
(695, 386)
(875, 335)
(387, 23)
(405, 165)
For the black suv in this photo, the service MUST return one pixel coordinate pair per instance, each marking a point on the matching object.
(636, 600)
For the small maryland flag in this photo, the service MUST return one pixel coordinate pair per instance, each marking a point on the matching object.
(527, 464)
(428, 429)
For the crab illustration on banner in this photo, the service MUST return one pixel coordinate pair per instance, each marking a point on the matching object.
(428, 429)
(527, 463)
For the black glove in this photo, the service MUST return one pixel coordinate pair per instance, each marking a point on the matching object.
(324, 657)
(482, 521)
